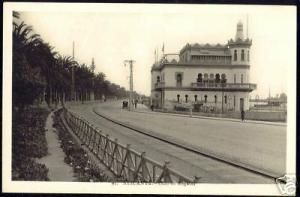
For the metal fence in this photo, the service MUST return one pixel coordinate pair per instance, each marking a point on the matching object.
(120, 159)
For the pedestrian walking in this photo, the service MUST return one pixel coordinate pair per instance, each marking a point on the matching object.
(243, 115)
(135, 103)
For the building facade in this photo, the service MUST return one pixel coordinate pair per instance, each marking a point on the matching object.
(213, 77)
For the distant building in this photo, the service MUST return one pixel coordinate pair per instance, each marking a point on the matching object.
(211, 76)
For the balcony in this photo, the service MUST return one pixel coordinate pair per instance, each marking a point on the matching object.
(159, 85)
(208, 86)
(224, 86)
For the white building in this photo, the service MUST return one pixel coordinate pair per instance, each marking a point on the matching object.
(215, 77)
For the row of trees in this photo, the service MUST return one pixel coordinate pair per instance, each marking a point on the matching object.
(41, 73)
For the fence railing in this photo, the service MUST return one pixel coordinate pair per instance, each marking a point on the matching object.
(120, 159)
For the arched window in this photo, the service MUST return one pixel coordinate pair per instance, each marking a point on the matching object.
(205, 76)
(242, 78)
(217, 78)
(223, 78)
(178, 97)
(186, 98)
(179, 79)
(199, 79)
(248, 56)
(235, 56)
(157, 79)
(196, 98)
(225, 99)
(205, 98)
(216, 98)
(243, 55)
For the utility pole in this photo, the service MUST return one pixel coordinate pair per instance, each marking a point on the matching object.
(130, 81)
(73, 77)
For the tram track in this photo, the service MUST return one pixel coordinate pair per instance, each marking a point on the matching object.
(239, 165)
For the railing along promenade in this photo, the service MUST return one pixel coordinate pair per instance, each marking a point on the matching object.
(120, 159)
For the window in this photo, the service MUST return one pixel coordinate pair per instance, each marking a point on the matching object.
(248, 56)
(225, 99)
(196, 98)
(157, 79)
(179, 79)
(178, 97)
(217, 78)
(186, 98)
(243, 55)
(235, 55)
(199, 79)
(242, 78)
(234, 78)
(223, 78)
(205, 98)
(234, 101)
(216, 98)
(205, 76)
(211, 76)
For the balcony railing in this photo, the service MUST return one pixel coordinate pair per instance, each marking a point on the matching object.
(246, 86)
(211, 86)
(159, 84)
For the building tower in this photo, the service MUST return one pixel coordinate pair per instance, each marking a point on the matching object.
(93, 66)
(240, 59)
(240, 47)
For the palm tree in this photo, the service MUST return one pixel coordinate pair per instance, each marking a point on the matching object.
(25, 76)
(63, 76)
(98, 84)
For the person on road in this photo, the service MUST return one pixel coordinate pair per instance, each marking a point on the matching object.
(243, 115)
(152, 107)
(135, 103)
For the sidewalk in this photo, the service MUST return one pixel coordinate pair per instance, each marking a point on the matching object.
(144, 109)
(58, 169)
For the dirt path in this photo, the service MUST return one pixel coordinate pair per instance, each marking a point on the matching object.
(58, 169)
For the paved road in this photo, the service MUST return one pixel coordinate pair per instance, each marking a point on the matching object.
(255, 144)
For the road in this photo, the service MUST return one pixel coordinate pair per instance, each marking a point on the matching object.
(261, 146)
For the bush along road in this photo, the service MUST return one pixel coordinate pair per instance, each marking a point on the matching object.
(84, 169)
(29, 142)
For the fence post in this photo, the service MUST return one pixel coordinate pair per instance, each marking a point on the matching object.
(99, 145)
(95, 139)
(126, 176)
(105, 151)
(165, 175)
(114, 159)
(143, 166)
(196, 179)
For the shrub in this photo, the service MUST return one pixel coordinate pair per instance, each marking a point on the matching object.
(29, 142)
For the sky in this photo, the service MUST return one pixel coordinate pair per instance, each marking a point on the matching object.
(113, 33)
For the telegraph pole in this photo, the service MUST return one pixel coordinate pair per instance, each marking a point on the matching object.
(130, 82)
